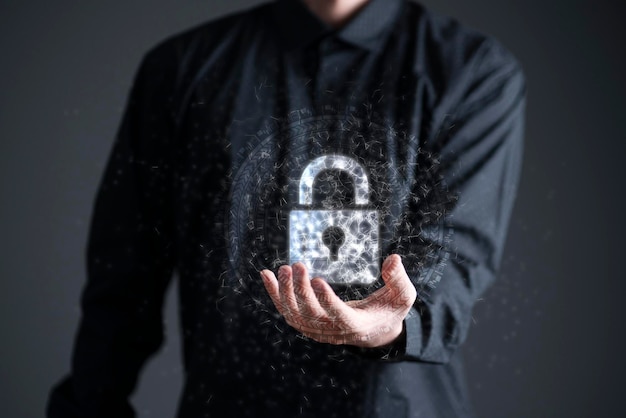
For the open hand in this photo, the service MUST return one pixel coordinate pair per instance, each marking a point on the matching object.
(313, 308)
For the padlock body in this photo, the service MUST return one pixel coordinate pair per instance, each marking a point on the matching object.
(357, 258)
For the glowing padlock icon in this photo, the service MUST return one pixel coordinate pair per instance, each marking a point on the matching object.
(341, 246)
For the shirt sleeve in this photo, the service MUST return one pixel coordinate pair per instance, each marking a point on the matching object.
(129, 257)
(478, 137)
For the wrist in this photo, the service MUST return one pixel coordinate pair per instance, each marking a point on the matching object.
(384, 338)
(394, 350)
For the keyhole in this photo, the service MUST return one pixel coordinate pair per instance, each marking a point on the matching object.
(333, 237)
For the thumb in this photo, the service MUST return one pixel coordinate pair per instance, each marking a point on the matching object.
(395, 277)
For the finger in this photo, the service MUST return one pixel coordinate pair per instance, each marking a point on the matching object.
(336, 309)
(395, 277)
(308, 305)
(271, 285)
(285, 288)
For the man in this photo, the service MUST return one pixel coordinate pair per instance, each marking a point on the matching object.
(238, 135)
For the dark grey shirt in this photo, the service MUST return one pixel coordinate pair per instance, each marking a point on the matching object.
(221, 123)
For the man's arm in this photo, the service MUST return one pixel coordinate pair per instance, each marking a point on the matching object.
(479, 141)
(129, 257)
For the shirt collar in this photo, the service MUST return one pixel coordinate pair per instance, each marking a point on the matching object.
(299, 27)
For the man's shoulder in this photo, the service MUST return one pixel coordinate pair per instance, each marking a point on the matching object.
(451, 48)
(201, 39)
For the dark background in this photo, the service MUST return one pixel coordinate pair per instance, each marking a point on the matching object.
(548, 337)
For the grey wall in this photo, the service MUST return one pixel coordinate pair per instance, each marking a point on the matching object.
(548, 337)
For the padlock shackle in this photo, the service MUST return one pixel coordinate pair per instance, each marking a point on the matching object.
(334, 162)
